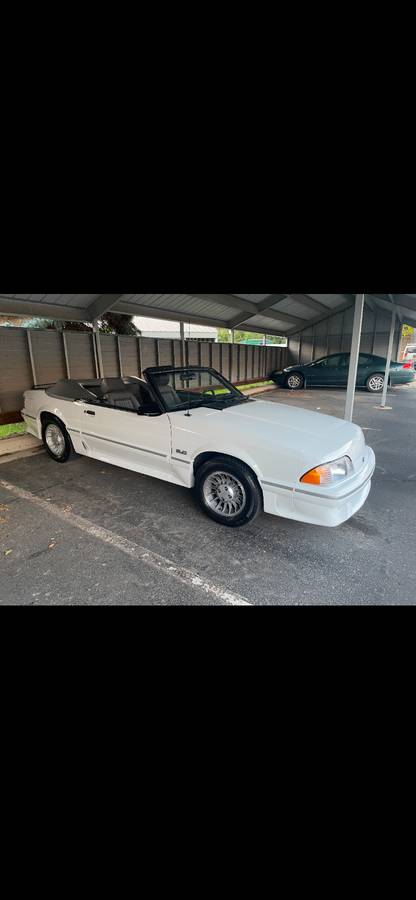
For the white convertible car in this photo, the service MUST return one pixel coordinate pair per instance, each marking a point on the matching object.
(193, 428)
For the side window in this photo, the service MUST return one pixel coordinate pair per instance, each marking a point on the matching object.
(334, 362)
(329, 363)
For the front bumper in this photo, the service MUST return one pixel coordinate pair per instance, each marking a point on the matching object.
(321, 506)
(279, 378)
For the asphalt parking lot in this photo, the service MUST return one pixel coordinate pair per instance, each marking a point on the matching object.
(89, 533)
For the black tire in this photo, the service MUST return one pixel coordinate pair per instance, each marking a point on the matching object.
(232, 476)
(375, 383)
(295, 381)
(68, 451)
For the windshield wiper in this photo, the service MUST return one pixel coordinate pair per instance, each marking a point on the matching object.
(215, 402)
(238, 399)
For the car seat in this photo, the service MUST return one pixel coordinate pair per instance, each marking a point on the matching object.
(122, 400)
(140, 391)
(113, 384)
(167, 392)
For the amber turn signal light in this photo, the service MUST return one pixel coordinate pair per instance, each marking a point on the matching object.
(320, 475)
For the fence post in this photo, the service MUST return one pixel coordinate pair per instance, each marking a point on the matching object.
(67, 363)
(99, 350)
(139, 356)
(32, 358)
(120, 358)
(94, 347)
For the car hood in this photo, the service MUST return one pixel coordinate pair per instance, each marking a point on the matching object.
(283, 418)
(311, 435)
(296, 368)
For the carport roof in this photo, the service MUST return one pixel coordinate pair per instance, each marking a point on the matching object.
(281, 314)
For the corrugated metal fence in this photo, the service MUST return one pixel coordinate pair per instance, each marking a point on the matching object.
(31, 357)
(333, 335)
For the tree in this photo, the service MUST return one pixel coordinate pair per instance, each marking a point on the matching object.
(110, 323)
(225, 337)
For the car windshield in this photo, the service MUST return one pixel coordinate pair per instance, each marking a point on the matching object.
(183, 388)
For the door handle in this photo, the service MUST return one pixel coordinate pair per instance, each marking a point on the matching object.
(88, 412)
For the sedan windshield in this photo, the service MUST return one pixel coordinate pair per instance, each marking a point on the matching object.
(183, 388)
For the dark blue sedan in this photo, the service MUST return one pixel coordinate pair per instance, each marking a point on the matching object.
(332, 371)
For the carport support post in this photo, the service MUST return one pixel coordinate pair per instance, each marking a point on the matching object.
(182, 324)
(355, 353)
(389, 356)
(98, 347)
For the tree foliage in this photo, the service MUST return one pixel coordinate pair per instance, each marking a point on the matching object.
(108, 324)
(225, 337)
(112, 323)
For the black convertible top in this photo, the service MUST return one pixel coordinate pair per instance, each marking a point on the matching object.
(90, 391)
(70, 390)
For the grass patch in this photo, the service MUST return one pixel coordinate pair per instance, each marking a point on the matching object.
(7, 430)
(258, 384)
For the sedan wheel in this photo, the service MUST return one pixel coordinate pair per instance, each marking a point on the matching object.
(295, 382)
(375, 384)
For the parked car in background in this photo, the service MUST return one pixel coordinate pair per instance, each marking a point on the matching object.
(410, 354)
(191, 427)
(332, 371)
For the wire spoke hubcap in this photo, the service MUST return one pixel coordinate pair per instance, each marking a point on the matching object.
(55, 440)
(224, 494)
(294, 381)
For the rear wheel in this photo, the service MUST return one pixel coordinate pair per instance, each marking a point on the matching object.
(295, 381)
(375, 383)
(228, 492)
(57, 441)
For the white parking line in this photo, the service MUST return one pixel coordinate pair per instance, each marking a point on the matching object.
(135, 551)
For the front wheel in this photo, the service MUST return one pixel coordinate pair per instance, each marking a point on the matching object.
(375, 383)
(295, 382)
(57, 441)
(228, 492)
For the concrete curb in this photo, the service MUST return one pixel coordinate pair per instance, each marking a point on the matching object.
(18, 446)
(22, 454)
(261, 390)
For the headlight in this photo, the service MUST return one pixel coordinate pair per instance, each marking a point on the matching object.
(329, 473)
